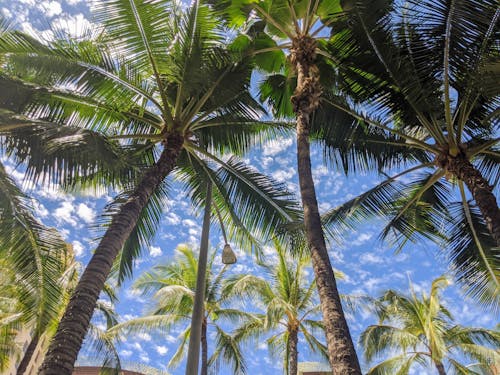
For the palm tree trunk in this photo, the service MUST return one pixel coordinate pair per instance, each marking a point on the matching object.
(440, 367)
(204, 348)
(341, 352)
(199, 296)
(28, 354)
(293, 340)
(482, 192)
(65, 345)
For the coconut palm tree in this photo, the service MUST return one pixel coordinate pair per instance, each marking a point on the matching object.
(288, 299)
(35, 260)
(286, 39)
(150, 93)
(172, 287)
(423, 331)
(423, 74)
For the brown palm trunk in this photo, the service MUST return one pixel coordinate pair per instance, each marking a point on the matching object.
(341, 352)
(65, 345)
(28, 354)
(204, 348)
(440, 367)
(293, 340)
(480, 190)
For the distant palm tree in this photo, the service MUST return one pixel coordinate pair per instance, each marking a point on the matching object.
(172, 287)
(37, 270)
(290, 304)
(149, 95)
(420, 331)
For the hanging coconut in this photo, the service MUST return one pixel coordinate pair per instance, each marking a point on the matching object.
(228, 256)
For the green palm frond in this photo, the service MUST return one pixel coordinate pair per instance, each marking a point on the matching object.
(398, 365)
(473, 255)
(228, 351)
(37, 254)
(143, 233)
(422, 329)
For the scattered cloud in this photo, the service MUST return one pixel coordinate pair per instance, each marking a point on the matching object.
(78, 248)
(86, 213)
(161, 350)
(155, 251)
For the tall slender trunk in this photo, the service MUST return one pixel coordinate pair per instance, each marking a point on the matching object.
(480, 189)
(440, 367)
(28, 354)
(65, 345)
(199, 296)
(293, 340)
(341, 352)
(204, 348)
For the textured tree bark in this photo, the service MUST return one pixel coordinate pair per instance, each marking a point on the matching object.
(440, 367)
(193, 358)
(293, 341)
(65, 345)
(204, 348)
(21, 369)
(341, 352)
(481, 191)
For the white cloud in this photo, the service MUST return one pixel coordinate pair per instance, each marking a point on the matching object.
(76, 26)
(284, 174)
(155, 251)
(361, 239)
(6, 13)
(77, 248)
(64, 213)
(126, 353)
(173, 219)
(144, 336)
(189, 223)
(50, 8)
(86, 213)
(369, 258)
(40, 209)
(276, 146)
(161, 350)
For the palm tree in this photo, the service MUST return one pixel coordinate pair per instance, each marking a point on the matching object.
(35, 262)
(290, 308)
(121, 100)
(422, 329)
(172, 287)
(424, 75)
(298, 85)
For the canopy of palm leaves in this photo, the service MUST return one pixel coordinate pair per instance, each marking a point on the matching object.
(423, 77)
(172, 287)
(106, 107)
(116, 101)
(420, 332)
(290, 304)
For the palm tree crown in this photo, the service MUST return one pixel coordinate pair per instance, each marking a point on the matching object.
(148, 95)
(172, 287)
(291, 309)
(422, 329)
(423, 74)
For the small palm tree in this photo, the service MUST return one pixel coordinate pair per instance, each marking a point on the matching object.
(37, 269)
(172, 288)
(290, 308)
(421, 331)
(148, 95)
(425, 75)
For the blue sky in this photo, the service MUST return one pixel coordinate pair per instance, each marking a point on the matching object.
(370, 266)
